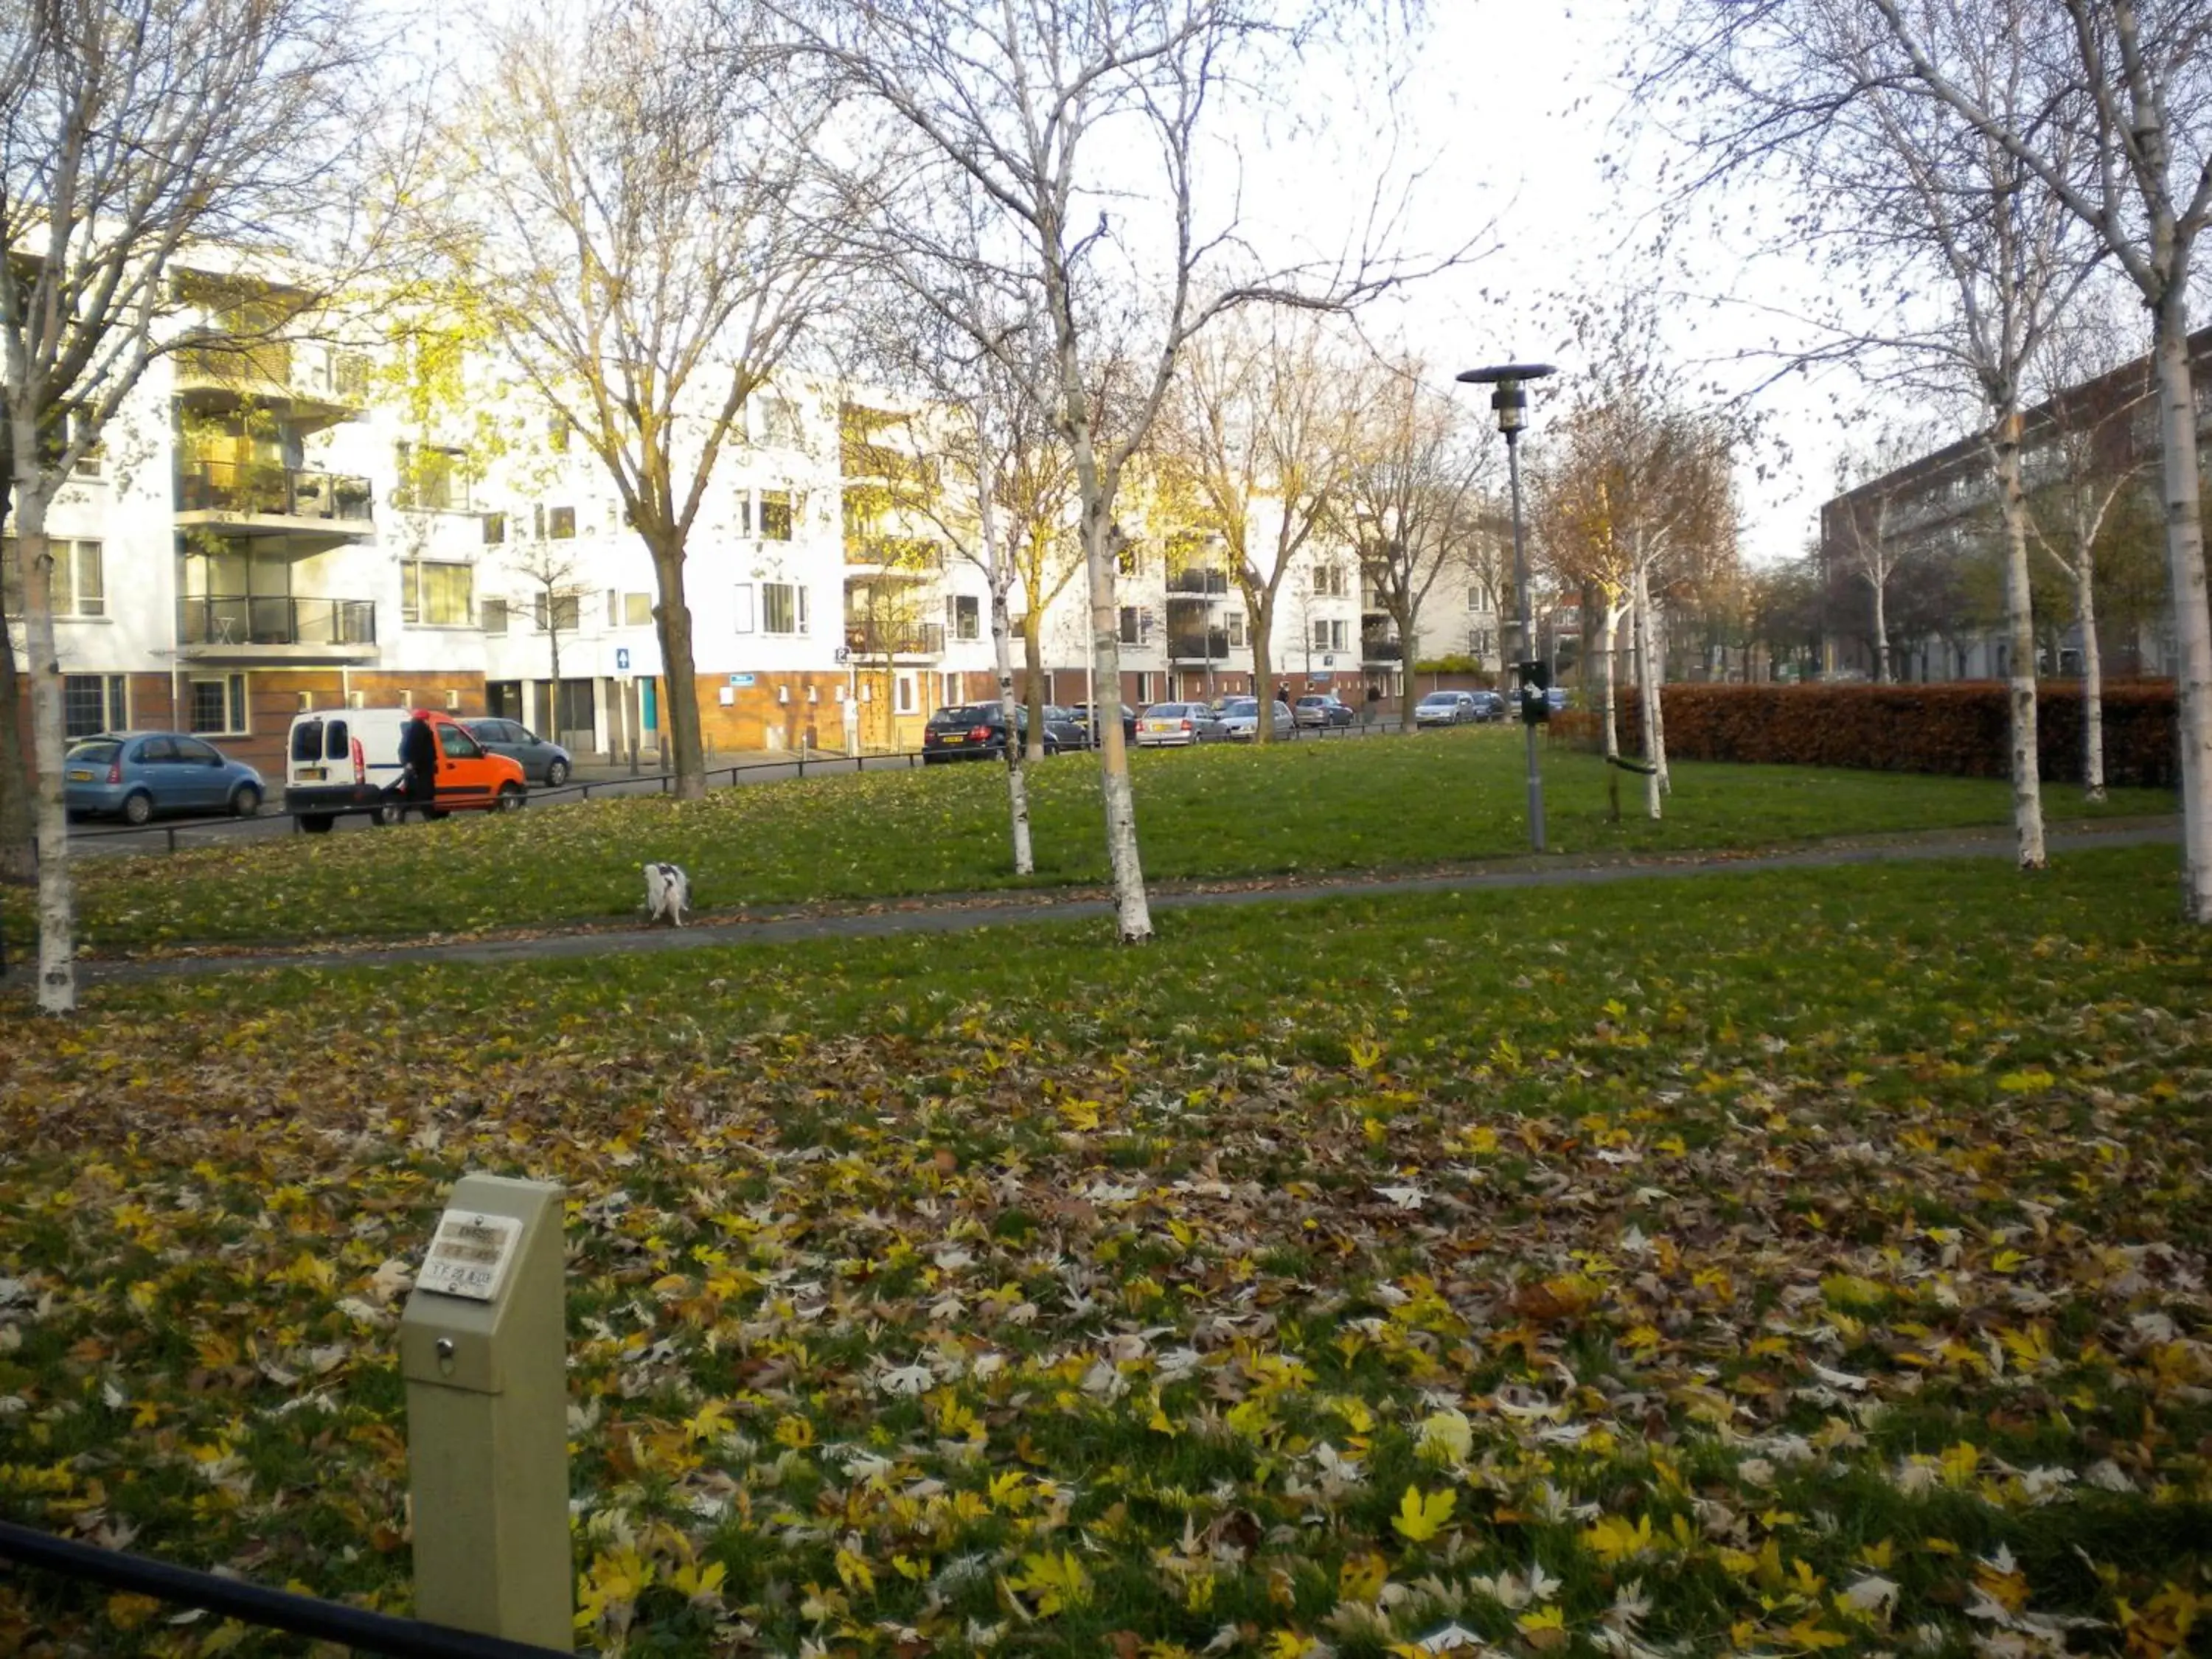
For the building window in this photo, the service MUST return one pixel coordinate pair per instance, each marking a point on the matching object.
(906, 694)
(637, 610)
(93, 703)
(952, 690)
(218, 706)
(1236, 629)
(743, 610)
(965, 613)
(1131, 558)
(556, 433)
(1338, 633)
(776, 421)
(1328, 581)
(561, 612)
(1129, 625)
(1475, 601)
(433, 477)
(79, 584)
(64, 427)
(556, 524)
(494, 615)
(495, 529)
(769, 515)
(437, 595)
(783, 608)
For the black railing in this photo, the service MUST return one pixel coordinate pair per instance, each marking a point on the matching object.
(1199, 581)
(1212, 646)
(236, 619)
(255, 1604)
(254, 489)
(881, 640)
(1377, 650)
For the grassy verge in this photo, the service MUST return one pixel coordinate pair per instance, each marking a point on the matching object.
(1770, 1264)
(1377, 803)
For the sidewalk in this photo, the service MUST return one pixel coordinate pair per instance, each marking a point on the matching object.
(951, 913)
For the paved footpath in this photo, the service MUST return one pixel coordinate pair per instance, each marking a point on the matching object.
(952, 913)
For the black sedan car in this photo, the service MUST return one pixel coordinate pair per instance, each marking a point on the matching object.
(977, 731)
(1129, 721)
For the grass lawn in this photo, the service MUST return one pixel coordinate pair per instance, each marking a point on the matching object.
(1775, 1263)
(1224, 811)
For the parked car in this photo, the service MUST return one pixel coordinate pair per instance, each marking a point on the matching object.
(542, 761)
(1129, 722)
(134, 775)
(1488, 705)
(977, 731)
(1446, 708)
(1556, 697)
(1323, 711)
(1168, 723)
(1240, 718)
(347, 761)
(1063, 729)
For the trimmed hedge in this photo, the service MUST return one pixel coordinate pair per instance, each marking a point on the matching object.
(1960, 730)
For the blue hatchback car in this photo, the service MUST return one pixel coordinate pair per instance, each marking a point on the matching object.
(134, 775)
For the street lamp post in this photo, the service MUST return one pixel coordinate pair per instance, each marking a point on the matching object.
(1511, 404)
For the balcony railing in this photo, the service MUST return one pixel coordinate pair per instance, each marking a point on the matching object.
(1199, 581)
(893, 640)
(220, 619)
(1212, 646)
(1375, 649)
(297, 369)
(250, 490)
(894, 552)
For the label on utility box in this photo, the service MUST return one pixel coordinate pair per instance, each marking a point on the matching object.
(469, 1254)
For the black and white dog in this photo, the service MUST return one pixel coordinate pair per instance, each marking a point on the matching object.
(667, 893)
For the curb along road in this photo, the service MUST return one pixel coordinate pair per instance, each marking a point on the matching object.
(953, 913)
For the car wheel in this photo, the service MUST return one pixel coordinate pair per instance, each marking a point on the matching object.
(316, 823)
(246, 802)
(384, 814)
(510, 799)
(137, 807)
(1051, 748)
(557, 775)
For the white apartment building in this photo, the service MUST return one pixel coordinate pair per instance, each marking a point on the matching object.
(267, 530)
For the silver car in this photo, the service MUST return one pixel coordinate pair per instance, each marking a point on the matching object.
(1447, 709)
(1240, 719)
(1166, 725)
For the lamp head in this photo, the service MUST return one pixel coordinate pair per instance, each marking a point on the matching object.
(1511, 402)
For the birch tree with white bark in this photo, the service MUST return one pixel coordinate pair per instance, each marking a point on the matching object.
(139, 140)
(1632, 494)
(2100, 110)
(1094, 131)
(1865, 539)
(2088, 462)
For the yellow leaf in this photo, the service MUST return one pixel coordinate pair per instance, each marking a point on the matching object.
(1361, 1577)
(1612, 1539)
(1420, 1519)
(1058, 1582)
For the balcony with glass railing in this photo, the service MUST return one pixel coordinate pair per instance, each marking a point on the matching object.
(219, 623)
(1209, 644)
(252, 493)
(1381, 647)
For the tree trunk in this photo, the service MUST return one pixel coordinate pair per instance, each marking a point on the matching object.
(1656, 695)
(1881, 632)
(2193, 622)
(1608, 628)
(1017, 792)
(1033, 677)
(1647, 692)
(2020, 620)
(56, 984)
(679, 679)
(2093, 675)
(19, 865)
(1132, 913)
(1260, 608)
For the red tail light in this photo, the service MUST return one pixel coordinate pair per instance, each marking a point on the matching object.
(1186, 725)
(115, 771)
(360, 763)
(981, 734)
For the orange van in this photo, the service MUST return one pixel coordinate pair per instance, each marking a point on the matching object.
(347, 760)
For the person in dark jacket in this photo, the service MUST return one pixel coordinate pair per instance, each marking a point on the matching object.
(418, 767)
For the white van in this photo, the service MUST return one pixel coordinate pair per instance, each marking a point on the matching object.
(347, 760)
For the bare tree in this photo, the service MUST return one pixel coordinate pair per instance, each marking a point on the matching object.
(1412, 504)
(1259, 436)
(1866, 539)
(2099, 111)
(635, 223)
(1086, 128)
(1633, 494)
(137, 138)
(2087, 463)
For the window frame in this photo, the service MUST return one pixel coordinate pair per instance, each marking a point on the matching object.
(797, 615)
(413, 591)
(236, 706)
(113, 692)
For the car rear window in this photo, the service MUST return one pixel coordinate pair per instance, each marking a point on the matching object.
(308, 740)
(335, 746)
(94, 753)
